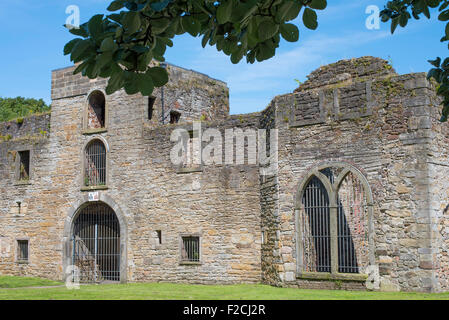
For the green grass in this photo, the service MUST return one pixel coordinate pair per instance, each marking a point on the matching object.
(19, 282)
(166, 291)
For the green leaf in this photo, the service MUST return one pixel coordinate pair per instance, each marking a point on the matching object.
(115, 82)
(159, 76)
(224, 12)
(78, 32)
(444, 16)
(159, 6)
(289, 10)
(79, 48)
(81, 67)
(403, 19)
(436, 62)
(108, 44)
(267, 29)
(95, 25)
(116, 5)
(160, 25)
(146, 85)
(394, 24)
(191, 25)
(70, 45)
(318, 4)
(289, 32)
(237, 55)
(310, 19)
(265, 51)
(205, 39)
(131, 22)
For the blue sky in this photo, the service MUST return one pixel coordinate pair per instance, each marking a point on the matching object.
(33, 39)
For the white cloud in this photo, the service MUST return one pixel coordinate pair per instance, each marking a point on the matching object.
(260, 82)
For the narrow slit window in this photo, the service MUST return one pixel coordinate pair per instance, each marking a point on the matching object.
(190, 249)
(151, 101)
(174, 117)
(159, 236)
(24, 165)
(22, 250)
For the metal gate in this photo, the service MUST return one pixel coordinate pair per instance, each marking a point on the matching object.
(316, 228)
(96, 244)
(350, 235)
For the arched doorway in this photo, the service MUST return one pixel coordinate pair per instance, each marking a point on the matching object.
(96, 246)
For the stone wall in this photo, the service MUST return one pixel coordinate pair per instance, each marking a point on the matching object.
(389, 145)
(358, 113)
(142, 184)
(194, 95)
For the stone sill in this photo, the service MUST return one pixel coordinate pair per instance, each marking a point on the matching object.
(329, 276)
(189, 170)
(23, 183)
(93, 131)
(22, 262)
(190, 263)
(93, 188)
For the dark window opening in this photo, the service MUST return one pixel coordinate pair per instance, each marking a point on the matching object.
(24, 165)
(97, 110)
(151, 101)
(174, 117)
(22, 252)
(159, 236)
(95, 164)
(190, 249)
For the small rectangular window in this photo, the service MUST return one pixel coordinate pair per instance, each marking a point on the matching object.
(24, 165)
(151, 101)
(159, 236)
(190, 249)
(22, 250)
(174, 117)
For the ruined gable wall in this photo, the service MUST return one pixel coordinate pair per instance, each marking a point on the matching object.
(380, 138)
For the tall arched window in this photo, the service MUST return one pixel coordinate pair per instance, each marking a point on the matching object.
(96, 112)
(334, 227)
(95, 164)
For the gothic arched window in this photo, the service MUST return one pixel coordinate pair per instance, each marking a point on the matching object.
(334, 213)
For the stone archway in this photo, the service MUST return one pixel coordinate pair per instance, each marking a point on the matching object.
(70, 234)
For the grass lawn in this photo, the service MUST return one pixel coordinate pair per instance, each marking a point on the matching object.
(166, 291)
(19, 282)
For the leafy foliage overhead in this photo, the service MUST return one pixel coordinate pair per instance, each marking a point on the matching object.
(121, 45)
(11, 108)
(400, 12)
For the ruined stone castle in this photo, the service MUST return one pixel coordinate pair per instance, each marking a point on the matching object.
(359, 197)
